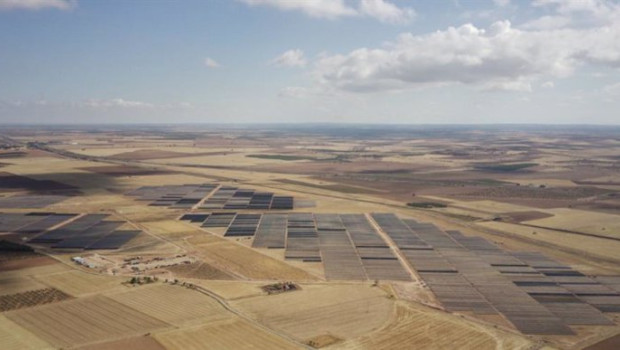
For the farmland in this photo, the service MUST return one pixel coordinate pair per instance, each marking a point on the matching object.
(395, 239)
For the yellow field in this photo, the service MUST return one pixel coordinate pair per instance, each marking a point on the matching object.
(14, 337)
(249, 263)
(173, 304)
(415, 327)
(235, 334)
(12, 282)
(345, 311)
(596, 247)
(581, 221)
(231, 290)
(82, 321)
(79, 283)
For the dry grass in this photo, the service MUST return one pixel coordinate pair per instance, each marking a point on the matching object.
(419, 328)
(249, 263)
(235, 334)
(13, 283)
(582, 221)
(83, 321)
(142, 343)
(592, 246)
(231, 290)
(345, 311)
(14, 337)
(79, 283)
(173, 304)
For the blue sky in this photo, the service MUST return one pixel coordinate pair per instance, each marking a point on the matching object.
(359, 61)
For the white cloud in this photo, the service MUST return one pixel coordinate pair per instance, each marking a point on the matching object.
(386, 12)
(290, 58)
(211, 63)
(115, 102)
(330, 9)
(500, 57)
(547, 23)
(502, 3)
(381, 10)
(612, 90)
(34, 5)
(548, 85)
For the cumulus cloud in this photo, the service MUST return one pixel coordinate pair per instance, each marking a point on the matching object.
(381, 10)
(211, 63)
(499, 57)
(34, 5)
(290, 58)
(386, 12)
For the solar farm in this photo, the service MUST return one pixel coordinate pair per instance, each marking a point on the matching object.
(67, 231)
(534, 293)
(149, 241)
(219, 197)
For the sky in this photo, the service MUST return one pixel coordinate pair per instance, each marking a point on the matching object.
(317, 61)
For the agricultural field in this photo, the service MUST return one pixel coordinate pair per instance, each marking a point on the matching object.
(232, 334)
(503, 217)
(181, 306)
(60, 325)
(342, 311)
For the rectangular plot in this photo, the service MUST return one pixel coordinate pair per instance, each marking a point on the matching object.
(76, 322)
(71, 229)
(398, 231)
(45, 223)
(362, 233)
(30, 201)
(578, 314)
(219, 220)
(282, 202)
(194, 217)
(89, 236)
(271, 232)
(114, 240)
(385, 270)
(11, 222)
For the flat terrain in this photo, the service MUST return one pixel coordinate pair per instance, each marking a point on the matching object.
(553, 193)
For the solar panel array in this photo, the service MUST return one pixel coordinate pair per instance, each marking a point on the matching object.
(30, 201)
(302, 238)
(271, 232)
(174, 196)
(348, 245)
(243, 225)
(31, 223)
(235, 198)
(86, 232)
(536, 294)
(225, 197)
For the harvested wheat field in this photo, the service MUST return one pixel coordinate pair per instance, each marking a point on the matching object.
(173, 304)
(249, 263)
(345, 311)
(198, 270)
(141, 342)
(14, 337)
(13, 283)
(234, 334)
(232, 290)
(78, 283)
(416, 327)
(83, 321)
